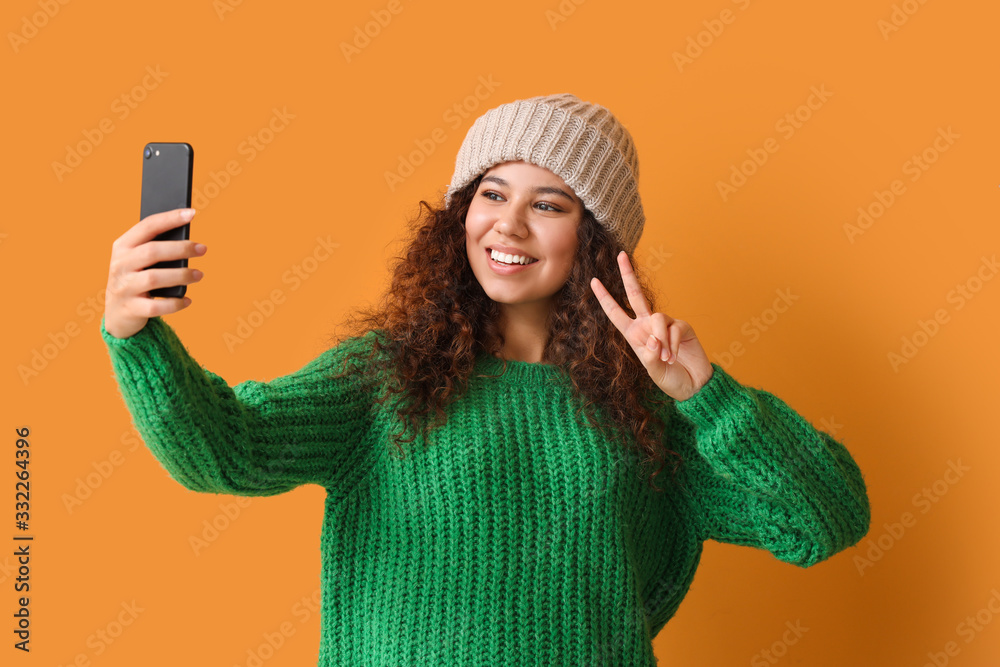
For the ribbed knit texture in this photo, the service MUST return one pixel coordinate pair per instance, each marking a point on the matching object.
(517, 537)
(581, 142)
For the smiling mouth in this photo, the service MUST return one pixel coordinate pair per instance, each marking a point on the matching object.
(489, 256)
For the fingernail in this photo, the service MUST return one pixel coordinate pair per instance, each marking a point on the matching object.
(651, 343)
(200, 248)
(197, 274)
(187, 214)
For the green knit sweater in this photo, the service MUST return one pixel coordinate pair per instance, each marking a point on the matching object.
(517, 536)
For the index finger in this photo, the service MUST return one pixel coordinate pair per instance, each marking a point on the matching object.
(615, 313)
(154, 224)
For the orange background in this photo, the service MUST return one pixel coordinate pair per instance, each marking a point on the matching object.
(716, 263)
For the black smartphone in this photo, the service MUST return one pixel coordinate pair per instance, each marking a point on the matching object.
(167, 168)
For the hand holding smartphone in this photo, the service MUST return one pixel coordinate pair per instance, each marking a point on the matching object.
(160, 240)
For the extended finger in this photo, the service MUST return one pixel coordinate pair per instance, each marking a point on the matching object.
(635, 296)
(615, 313)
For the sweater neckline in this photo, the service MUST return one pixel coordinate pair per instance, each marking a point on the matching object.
(517, 371)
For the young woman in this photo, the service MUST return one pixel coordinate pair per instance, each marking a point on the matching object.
(505, 529)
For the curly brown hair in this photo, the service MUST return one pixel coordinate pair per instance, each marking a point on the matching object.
(436, 317)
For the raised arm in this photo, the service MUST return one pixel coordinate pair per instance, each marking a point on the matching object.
(763, 476)
(252, 439)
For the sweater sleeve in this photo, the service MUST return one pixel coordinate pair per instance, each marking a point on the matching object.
(762, 476)
(252, 439)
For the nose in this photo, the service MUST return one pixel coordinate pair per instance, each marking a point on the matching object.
(510, 222)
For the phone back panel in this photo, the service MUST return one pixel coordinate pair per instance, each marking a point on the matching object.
(166, 185)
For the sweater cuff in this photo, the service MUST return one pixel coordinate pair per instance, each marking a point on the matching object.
(138, 335)
(136, 350)
(718, 399)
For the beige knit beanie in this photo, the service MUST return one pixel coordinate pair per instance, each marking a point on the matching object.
(581, 142)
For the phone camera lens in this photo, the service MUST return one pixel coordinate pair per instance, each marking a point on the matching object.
(148, 152)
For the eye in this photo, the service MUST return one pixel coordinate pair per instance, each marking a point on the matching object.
(487, 193)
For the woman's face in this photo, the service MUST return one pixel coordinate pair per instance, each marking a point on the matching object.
(529, 208)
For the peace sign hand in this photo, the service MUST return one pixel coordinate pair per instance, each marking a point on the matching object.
(657, 339)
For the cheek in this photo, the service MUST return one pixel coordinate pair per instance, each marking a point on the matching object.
(567, 256)
(475, 226)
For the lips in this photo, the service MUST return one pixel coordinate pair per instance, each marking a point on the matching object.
(507, 269)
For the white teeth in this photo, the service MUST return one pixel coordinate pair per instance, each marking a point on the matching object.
(511, 259)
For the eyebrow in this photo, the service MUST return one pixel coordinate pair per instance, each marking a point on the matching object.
(541, 189)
